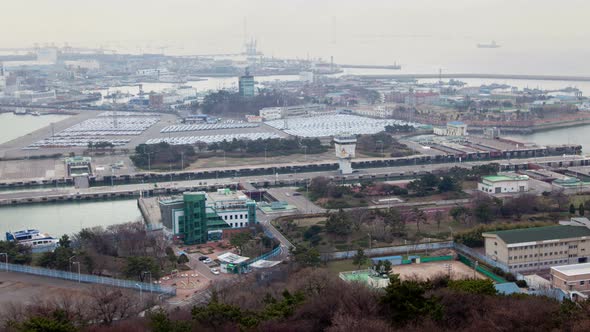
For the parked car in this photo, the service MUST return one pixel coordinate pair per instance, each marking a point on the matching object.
(296, 194)
(208, 261)
(203, 258)
(215, 271)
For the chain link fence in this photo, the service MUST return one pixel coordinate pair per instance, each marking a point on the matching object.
(89, 278)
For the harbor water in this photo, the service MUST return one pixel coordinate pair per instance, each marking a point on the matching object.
(14, 126)
(67, 218)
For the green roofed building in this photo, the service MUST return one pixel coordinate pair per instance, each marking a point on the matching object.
(504, 184)
(539, 248)
(198, 217)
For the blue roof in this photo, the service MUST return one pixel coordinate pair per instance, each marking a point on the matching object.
(456, 123)
(507, 288)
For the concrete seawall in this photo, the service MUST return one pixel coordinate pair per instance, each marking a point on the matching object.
(490, 76)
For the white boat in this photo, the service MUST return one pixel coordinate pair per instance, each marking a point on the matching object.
(35, 113)
(32, 238)
(20, 111)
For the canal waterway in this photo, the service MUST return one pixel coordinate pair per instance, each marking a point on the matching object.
(67, 218)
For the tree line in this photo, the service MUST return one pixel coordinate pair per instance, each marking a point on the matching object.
(311, 299)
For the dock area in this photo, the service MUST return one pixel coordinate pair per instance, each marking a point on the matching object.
(150, 211)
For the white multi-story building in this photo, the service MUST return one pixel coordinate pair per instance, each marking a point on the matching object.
(306, 76)
(82, 64)
(539, 248)
(35, 96)
(47, 55)
(504, 184)
(271, 113)
(455, 128)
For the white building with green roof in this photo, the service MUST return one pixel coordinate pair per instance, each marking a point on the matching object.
(539, 248)
(504, 184)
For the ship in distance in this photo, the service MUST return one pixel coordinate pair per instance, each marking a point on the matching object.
(493, 44)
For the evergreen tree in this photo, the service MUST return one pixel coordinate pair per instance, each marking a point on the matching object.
(572, 209)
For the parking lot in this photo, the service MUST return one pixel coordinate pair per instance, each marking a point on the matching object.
(332, 125)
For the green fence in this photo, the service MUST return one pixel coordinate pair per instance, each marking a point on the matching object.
(435, 259)
(482, 269)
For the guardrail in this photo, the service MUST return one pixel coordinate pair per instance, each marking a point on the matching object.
(88, 278)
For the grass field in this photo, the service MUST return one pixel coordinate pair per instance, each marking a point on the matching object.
(307, 222)
(345, 265)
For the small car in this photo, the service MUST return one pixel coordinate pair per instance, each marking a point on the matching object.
(203, 258)
(215, 271)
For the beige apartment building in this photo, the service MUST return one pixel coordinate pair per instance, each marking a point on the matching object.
(539, 248)
(572, 279)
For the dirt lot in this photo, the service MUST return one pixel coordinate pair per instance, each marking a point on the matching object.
(24, 288)
(458, 270)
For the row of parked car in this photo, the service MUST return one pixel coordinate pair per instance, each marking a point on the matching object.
(208, 261)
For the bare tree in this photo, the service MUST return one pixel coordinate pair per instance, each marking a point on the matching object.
(108, 304)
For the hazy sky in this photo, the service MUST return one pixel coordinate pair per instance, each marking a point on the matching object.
(367, 29)
(219, 21)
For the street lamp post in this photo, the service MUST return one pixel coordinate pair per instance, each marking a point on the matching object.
(140, 292)
(307, 196)
(5, 259)
(78, 263)
(182, 160)
(150, 273)
(70, 262)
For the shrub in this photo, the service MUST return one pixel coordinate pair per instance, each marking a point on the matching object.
(521, 283)
(510, 277)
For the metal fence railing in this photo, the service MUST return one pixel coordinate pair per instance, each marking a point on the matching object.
(480, 257)
(89, 278)
(375, 252)
(275, 252)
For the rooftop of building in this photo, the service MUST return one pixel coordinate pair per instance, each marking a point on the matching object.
(507, 288)
(573, 269)
(232, 258)
(541, 233)
(505, 177)
(78, 159)
(226, 195)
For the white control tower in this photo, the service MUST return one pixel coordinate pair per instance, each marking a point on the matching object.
(345, 146)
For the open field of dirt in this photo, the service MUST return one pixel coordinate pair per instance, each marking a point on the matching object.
(457, 270)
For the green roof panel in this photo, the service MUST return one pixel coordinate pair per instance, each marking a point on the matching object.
(541, 233)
